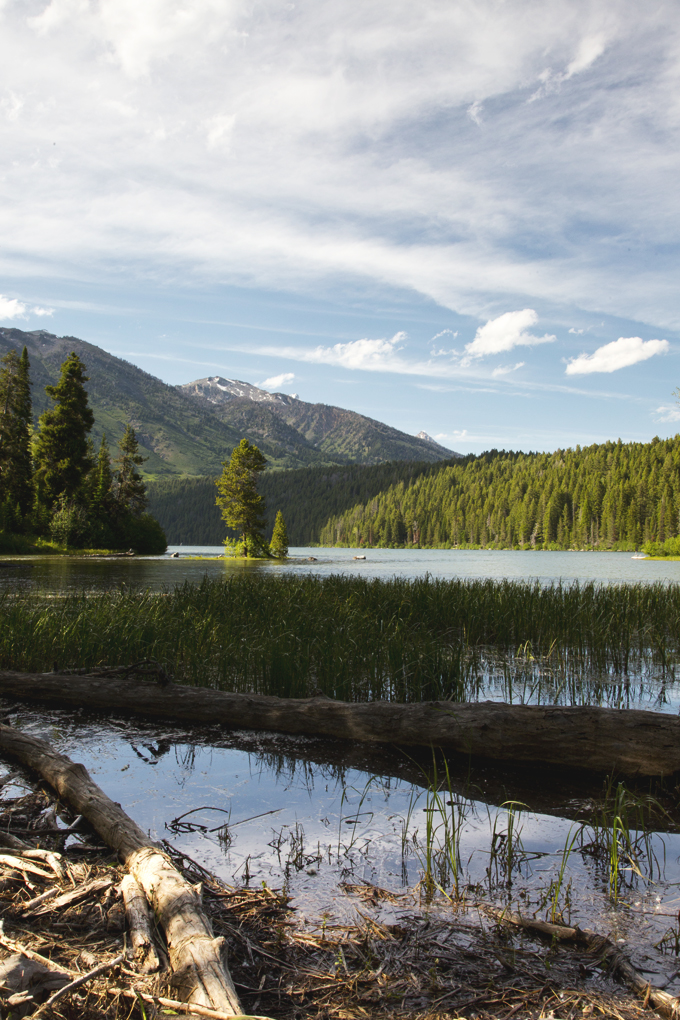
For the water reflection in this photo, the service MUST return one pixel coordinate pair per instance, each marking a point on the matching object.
(66, 573)
(308, 816)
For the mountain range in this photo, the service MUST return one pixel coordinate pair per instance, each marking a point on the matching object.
(190, 429)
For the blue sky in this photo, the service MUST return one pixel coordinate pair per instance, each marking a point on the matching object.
(453, 216)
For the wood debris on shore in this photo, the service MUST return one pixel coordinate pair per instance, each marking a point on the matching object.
(63, 912)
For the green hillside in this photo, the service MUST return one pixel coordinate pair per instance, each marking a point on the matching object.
(307, 497)
(191, 429)
(609, 496)
(176, 433)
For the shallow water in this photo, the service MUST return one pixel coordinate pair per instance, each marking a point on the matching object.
(56, 573)
(309, 826)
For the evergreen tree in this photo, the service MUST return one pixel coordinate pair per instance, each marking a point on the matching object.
(61, 450)
(279, 543)
(129, 486)
(103, 475)
(241, 504)
(16, 481)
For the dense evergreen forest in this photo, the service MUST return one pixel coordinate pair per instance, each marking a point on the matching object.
(54, 488)
(307, 497)
(608, 496)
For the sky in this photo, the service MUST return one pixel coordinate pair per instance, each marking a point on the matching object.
(460, 216)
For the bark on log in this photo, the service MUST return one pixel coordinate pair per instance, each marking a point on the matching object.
(631, 741)
(196, 957)
(148, 957)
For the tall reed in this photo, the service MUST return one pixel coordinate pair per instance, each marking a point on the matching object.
(357, 638)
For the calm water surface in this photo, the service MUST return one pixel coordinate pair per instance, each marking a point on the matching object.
(156, 572)
(299, 818)
(300, 821)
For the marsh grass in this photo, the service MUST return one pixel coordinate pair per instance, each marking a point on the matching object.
(365, 639)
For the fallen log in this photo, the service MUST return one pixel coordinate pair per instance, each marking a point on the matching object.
(630, 741)
(147, 957)
(609, 955)
(197, 959)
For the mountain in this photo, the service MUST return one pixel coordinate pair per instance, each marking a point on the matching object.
(190, 430)
(345, 436)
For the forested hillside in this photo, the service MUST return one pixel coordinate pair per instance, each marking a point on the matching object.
(307, 497)
(610, 496)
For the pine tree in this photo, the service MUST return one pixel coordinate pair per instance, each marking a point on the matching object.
(16, 481)
(129, 485)
(279, 543)
(241, 504)
(61, 450)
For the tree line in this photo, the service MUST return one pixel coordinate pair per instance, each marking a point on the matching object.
(53, 485)
(307, 497)
(608, 496)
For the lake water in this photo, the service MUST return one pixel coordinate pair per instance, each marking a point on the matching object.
(309, 816)
(194, 562)
(306, 818)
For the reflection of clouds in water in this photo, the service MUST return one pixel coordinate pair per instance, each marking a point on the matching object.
(335, 822)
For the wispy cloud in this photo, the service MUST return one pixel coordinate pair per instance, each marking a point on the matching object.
(322, 158)
(618, 354)
(506, 369)
(666, 413)
(277, 381)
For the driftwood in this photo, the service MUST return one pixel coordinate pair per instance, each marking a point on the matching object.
(181, 1007)
(10, 842)
(77, 982)
(632, 742)
(609, 955)
(73, 896)
(148, 958)
(197, 959)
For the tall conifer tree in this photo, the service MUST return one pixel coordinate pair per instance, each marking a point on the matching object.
(279, 543)
(242, 505)
(16, 482)
(130, 487)
(62, 455)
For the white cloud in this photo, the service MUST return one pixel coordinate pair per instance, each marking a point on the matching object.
(277, 381)
(577, 331)
(369, 355)
(589, 50)
(37, 310)
(668, 413)
(504, 333)
(456, 434)
(506, 369)
(274, 147)
(11, 308)
(618, 354)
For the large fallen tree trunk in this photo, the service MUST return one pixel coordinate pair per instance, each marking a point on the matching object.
(200, 974)
(630, 741)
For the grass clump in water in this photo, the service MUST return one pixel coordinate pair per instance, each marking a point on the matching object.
(362, 639)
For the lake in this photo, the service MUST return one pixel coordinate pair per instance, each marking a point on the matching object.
(302, 814)
(194, 562)
(309, 815)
